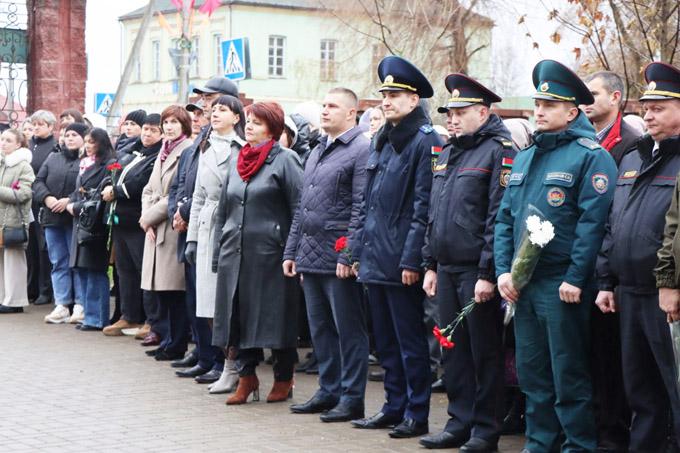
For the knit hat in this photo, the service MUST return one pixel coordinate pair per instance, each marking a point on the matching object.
(153, 119)
(80, 128)
(137, 116)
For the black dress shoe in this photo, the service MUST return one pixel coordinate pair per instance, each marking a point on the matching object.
(479, 445)
(153, 352)
(4, 309)
(376, 376)
(165, 356)
(209, 377)
(86, 328)
(42, 300)
(443, 439)
(315, 405)
(377, 421)
(194, 371)
(409, 428)
(438, 386)
(188, 361)
(343, 412)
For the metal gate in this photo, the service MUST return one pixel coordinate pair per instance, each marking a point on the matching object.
(13, 58)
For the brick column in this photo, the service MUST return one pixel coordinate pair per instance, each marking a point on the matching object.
(57, 64)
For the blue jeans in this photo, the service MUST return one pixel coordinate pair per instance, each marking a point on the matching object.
(94, 290)
(337, 322)
(66, 289)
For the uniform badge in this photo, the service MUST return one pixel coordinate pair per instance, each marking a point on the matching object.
(559, 176)
(505, 176)
(630, 174)
(651, 86)
(507, 162)
(600, 183)
(436, 151)
(455, 93)
(544, 87)
(439, 167)
(556, 196)
(389, 79)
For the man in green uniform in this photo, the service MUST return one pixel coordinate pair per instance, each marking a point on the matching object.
(567, 176)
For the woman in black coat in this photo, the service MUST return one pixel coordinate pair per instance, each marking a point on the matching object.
(256, 306)
(125, 196)
(53, 185)
(89, 251)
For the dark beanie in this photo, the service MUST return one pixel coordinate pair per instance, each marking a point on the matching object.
(80, 128)
(153, 119)
(137, 116)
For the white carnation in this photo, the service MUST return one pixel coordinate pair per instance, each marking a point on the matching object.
(533, 224)
(543, 234)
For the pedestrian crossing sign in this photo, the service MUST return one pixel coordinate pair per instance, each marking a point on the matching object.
(103, 102)
(236, 59)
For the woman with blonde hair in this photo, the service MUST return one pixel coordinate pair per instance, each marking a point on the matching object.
(16, 179)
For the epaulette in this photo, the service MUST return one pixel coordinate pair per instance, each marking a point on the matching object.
(426, 128)
(507, 144)
(588, 143)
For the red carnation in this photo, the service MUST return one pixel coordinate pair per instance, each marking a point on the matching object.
(15, 185)
(341, 244)
(114, 167)
(446, 343)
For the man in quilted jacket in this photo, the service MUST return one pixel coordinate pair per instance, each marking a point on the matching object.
(329, 207)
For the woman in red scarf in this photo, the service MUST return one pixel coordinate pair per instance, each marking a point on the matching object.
(256, 306)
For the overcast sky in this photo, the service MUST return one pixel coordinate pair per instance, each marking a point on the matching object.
(103, 40)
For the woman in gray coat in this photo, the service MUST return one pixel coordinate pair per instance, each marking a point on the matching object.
(218, 154)
(16, 179)
(256, 306)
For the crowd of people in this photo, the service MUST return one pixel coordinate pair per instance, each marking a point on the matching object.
(243, 229)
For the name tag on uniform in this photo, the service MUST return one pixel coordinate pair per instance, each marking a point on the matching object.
(559, 176)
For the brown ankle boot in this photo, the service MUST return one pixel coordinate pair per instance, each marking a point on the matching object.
(281, 391)
(246, 386)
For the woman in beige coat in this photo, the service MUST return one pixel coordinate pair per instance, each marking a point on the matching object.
(162, 273)
(16, 179)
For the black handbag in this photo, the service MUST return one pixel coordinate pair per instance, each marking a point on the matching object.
(91, 225)
(14, 236)
(48, 218)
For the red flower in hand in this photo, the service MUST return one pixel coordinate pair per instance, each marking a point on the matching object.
(437, 333)
(446, 343)
(114, 166)
(15, 185)
(341, 244)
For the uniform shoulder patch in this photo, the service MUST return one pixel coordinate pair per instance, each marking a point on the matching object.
(588, 143)
(426, 129)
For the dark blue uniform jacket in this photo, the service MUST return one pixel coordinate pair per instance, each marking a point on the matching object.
(394, 213)
(644, 190)
(470, 176)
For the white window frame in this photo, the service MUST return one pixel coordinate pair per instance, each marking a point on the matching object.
(156, 60)
(328, 66)
(217, 43)
(276, 50)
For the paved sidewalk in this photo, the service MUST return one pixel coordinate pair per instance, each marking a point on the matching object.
(62, 390)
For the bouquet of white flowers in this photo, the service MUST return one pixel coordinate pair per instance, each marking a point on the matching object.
(537, 235)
